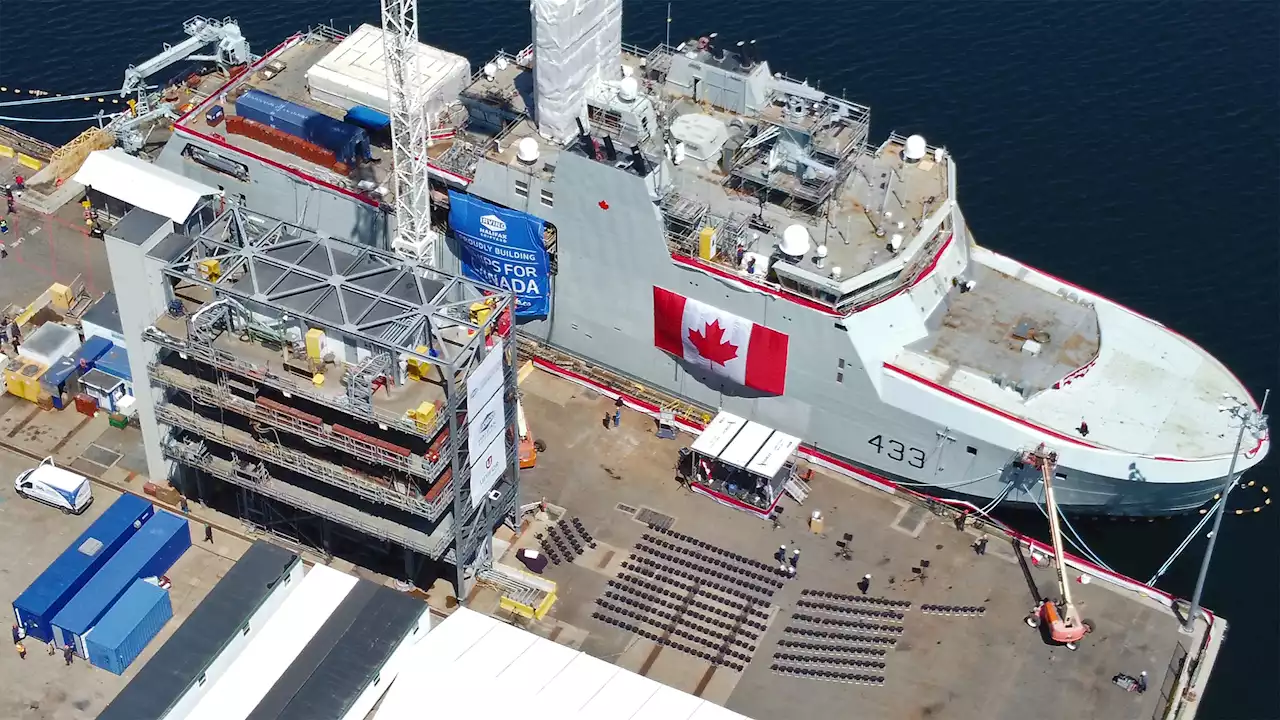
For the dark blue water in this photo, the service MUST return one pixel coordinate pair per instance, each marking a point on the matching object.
(1130, 147)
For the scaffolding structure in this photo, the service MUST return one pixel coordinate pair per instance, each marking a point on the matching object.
(372, 430)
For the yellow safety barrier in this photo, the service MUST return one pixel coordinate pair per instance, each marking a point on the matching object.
(30, 162)
(6, 151)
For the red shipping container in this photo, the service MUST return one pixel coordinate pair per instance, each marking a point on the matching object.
(86, 405)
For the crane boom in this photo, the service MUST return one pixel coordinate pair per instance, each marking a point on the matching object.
(410, 132)
(1047, 461)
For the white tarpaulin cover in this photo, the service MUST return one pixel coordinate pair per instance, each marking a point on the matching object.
(718, 434)
(486, 424)
(576, 44)
(355, 73)
(746, 444)
(126, 178)
(473, 656)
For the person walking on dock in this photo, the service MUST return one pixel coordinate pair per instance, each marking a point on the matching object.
(22, 650)
(864, 585)
(68, 654)
(17, 634)
(980, 545)
(208, 533)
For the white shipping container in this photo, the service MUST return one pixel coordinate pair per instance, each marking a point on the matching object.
(266, 658)
(354, 73)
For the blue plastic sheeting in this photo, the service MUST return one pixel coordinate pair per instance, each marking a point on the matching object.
(348, 142)
(115, 363)
(151, 552)
(503, 247)
(123, 633)
(92, 349)
(36, 607)
(367, 118)
(59, 373)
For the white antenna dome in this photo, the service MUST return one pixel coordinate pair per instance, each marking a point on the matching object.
(795, 241)
(502, 63)
(628, 89)
(820, 255)
(895, 242)
(527, 150)
(916, 149)
(490, 71)
(627, 70)
(835, 272)
(679, 154)
(939, 155)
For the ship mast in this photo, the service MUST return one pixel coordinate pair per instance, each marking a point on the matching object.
(410, 133)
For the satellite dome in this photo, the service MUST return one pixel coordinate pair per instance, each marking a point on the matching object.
(895, 242)
(917, 148)
(527, 150)
(627, 70)
(490, 71)
(628, 89)
(795, 241)
(502, 63)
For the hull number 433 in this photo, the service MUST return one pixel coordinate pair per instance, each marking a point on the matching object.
(897, 451)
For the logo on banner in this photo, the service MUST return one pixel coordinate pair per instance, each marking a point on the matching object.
(493, 223)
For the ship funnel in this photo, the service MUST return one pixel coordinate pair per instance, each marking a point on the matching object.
(916, 148)
(795, 241)
(527, 151)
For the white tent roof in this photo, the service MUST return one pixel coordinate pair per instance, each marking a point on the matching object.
(746, 444)
(141, 184)
(470, 656)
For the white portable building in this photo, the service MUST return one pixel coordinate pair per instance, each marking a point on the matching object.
(266, 658)
(355, 73)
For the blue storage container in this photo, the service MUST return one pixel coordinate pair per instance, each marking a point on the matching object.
(151, 552)
(36, 607)
(115, 362)
(124, 632)
(367, 118)
(348, 142)
(92, 349)
(56, 377)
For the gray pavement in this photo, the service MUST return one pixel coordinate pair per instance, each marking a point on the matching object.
(988, 667)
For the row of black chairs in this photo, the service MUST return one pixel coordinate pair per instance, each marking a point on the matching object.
(829, 675)
(576, 524)
(889, 615)
(708, 546)
(557, 541)
(858, 624)
(658, 589)
(838, 637)
(960, 610)
(670, 621)
(715, 658)
(835, 661)
(678, 561)
(861, 599)
(728, 564)
(832, 649)
(734, 627)
(663, 572)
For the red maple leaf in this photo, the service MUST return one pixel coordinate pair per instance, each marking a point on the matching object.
(710, 344)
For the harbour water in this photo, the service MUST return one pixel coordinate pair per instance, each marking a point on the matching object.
(1127, 147)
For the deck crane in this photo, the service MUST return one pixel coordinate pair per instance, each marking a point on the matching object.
(410, 133)
(1062, 618)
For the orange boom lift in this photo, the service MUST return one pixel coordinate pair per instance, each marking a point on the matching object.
(1062, 618)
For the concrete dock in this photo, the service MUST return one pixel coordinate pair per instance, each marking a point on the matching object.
(986, 665)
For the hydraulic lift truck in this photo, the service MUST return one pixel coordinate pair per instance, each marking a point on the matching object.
(1061, 618)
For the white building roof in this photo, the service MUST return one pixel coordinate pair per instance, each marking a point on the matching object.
(746, 444)
(124, 177)
(718, 434)
(355, 73)
(473, 656)
(277, 645)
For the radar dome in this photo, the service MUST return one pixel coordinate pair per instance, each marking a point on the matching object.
(628, 89)
(502, 63)
(795, 241)
(916, 148)
(490, 71)
(527, 150)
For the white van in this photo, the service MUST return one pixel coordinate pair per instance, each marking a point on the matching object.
(52, 485)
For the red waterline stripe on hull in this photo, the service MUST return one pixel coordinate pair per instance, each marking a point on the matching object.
(813, 453)
(995, 411)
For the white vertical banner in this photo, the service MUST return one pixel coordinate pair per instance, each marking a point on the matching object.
(487, 424)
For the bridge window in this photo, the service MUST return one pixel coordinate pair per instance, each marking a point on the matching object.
(522, 188)
(548, 199)
(840, 377)
(971, 450)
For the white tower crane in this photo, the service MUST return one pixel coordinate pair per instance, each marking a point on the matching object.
(410, 133)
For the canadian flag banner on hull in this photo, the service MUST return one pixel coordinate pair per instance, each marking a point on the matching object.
(721, 342)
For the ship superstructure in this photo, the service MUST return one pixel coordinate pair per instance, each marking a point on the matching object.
(911, 353)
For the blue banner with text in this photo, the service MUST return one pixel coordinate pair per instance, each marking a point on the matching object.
(505, 248)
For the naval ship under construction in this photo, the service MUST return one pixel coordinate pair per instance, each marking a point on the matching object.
(694, 222)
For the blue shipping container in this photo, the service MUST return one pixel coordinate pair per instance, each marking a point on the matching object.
(36, 607)
(92, 349)
(367, 118)
(151, 552)
(124, 632)
(348, 142)
(115, 362)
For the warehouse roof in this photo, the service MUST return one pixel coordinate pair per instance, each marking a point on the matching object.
(470, 654)
(202, 637)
